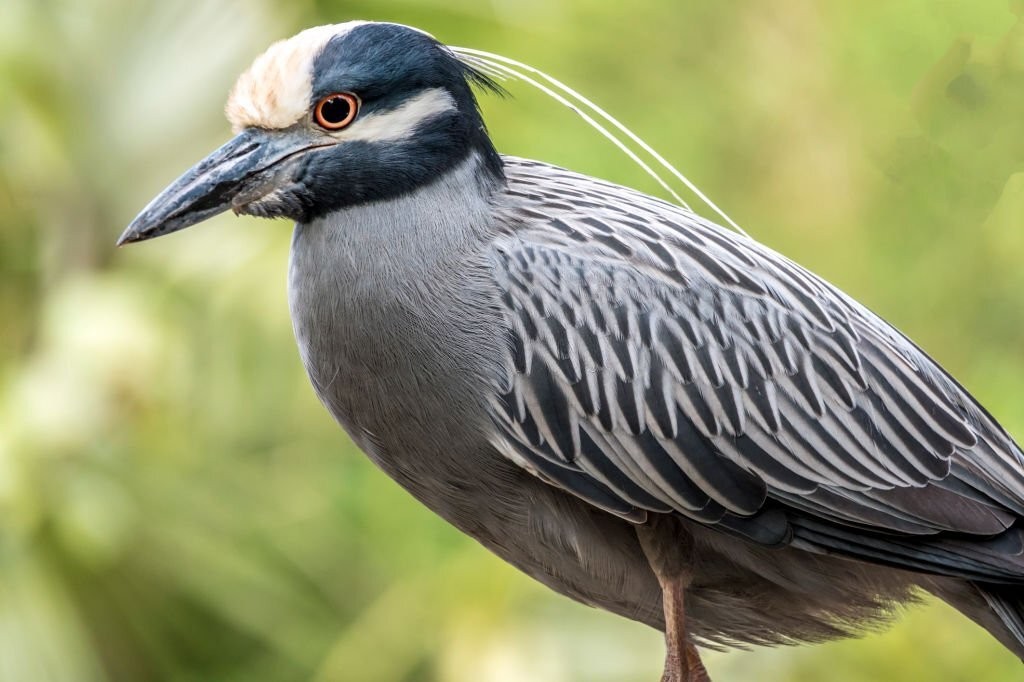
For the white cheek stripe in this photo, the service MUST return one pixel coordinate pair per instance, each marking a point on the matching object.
(398, 123)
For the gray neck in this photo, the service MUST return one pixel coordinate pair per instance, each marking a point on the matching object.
(393, 308)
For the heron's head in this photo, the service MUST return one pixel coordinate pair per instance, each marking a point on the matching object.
(333, 117)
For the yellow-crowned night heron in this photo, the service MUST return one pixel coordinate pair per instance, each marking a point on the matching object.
(636, 407)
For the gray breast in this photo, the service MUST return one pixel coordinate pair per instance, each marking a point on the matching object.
(392, 311)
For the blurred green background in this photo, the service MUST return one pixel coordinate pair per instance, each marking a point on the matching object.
(176, 505)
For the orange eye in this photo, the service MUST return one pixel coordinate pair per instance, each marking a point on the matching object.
(336, 111)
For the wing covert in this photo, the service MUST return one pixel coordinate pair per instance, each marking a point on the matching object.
(658, 363)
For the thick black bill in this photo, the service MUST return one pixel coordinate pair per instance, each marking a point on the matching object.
(210, 187)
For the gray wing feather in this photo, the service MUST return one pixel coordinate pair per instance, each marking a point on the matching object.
(659, 363)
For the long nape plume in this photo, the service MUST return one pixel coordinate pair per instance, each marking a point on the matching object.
(504, 68)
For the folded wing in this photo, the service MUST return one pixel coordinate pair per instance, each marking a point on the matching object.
(658, 363)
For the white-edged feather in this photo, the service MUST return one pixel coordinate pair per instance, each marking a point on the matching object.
(400, 122)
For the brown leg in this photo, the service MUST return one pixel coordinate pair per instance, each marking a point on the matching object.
(668, 549)
(682, 662)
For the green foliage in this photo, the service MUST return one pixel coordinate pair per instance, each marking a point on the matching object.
(175, 504)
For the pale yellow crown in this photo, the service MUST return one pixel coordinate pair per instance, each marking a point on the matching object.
(275, 91)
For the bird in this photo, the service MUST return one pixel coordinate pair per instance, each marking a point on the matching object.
(639, 408)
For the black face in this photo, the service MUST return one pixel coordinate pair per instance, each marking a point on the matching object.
(386, 65)
(344, 151)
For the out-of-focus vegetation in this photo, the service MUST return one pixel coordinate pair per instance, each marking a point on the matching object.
(175, 504)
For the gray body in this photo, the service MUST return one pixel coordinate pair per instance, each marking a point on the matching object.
(398, 315)
(405, 346)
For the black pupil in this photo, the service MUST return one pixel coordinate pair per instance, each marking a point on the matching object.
(335, 110)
